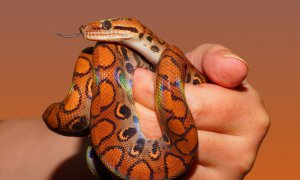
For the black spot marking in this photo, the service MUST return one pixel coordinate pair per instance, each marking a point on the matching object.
(138, 148)
(149, 38)
(196, 81)
(106, 25)
(154, 48)
(188, 78)
(117, 74)
(125, 111)
(131, 29)
(154, 147)
(78, 126)
(155, 151)
(139, 144)
(124, 53)
(122, 111)
(88, 50)
(141, 35)
(82, 123)
(126, 134)
(174, 97)
(165, 77)
(176, 61)
(167, 140)
(129, 68)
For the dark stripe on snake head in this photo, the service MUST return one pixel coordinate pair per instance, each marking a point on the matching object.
(131, 29)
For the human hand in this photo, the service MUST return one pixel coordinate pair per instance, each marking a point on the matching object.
(229, 115)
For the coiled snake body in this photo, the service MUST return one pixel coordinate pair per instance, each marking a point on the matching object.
(100, 102)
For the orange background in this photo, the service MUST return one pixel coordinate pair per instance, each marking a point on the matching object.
(36, 66)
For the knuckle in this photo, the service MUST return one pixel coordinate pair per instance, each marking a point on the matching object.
(246, 164)
(244, 159)
(263, 121)
(196, 107)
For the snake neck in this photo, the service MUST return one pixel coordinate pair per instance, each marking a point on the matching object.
(147, 44)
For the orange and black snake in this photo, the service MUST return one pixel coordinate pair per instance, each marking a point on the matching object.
(100, 102)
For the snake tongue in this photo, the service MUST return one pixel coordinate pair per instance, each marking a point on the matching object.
(68, 35)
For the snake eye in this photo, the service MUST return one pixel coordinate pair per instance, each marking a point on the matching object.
(106, 25)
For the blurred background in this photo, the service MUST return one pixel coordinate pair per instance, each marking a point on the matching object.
(36, 65)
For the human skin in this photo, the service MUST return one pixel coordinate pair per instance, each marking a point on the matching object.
(229, 115)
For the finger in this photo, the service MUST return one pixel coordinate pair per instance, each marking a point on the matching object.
(143, 86)
(148, 122)
(215, 152)
(219, 64)
(214, 108)
(214, 148)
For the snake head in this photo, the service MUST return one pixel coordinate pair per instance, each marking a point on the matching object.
(112, 30)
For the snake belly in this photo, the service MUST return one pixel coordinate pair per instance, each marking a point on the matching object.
(100, 104)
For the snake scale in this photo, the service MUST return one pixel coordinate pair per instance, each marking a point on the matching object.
(100, 102)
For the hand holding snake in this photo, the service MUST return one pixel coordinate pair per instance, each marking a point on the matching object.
(167, 93)
(51, 156)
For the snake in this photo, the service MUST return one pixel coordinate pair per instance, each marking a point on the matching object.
(100, 103)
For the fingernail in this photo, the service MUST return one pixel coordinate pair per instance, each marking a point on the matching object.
(234, 56)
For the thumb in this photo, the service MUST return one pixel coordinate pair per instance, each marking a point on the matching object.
(219, 64)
